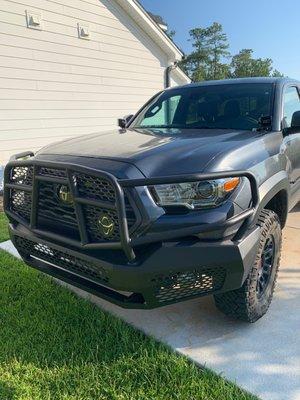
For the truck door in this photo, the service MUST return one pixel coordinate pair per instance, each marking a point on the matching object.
(291, 104)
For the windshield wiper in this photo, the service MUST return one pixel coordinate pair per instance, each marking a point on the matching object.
(180, 127)
(206, 127)
(159, 127)
(200, 127)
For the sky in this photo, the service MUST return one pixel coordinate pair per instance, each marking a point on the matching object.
(270, 27)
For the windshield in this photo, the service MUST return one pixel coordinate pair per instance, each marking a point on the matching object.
(229, 106)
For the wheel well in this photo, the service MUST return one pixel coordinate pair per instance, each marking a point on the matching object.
(279, 204)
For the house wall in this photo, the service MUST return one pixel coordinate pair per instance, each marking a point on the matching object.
(54, 85)
(178, 79)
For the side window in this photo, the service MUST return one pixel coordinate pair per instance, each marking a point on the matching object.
(162, 113)
(291, 104)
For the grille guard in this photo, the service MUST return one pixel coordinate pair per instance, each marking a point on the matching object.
(126, 243)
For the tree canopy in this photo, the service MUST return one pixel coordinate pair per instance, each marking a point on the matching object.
(244, 65)
(210, 49)
(211, 59)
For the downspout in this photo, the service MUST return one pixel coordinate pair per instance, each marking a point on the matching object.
(168, 72)
(169, 69)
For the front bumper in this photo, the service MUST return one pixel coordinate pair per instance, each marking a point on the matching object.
(143, 270)
(173, 271)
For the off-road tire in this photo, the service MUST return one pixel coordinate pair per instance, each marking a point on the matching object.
(245, 303)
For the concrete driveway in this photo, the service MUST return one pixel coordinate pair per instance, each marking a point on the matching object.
(263, 358)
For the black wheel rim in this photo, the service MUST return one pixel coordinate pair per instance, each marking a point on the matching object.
(266, 266)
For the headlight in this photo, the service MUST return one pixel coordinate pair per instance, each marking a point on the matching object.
(195, 195)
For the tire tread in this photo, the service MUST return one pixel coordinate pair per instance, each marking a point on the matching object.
(242, 303)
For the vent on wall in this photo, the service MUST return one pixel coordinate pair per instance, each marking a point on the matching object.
(83, 31)
(34, 20)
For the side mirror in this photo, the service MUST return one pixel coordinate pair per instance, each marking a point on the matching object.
(123, 122)
(265, 123)
(295, 124)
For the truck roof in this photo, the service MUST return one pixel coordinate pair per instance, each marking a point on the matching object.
(277, 80)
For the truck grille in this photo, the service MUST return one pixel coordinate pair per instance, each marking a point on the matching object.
(20, 203)
(22, 175)
(94, 188)
(50, 207)
(92, 215)
(95, 195)
(53, 172)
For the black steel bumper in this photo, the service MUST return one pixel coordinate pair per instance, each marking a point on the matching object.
(172, 270)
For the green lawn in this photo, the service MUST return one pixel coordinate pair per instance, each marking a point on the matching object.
(54, 345)
(3, 228)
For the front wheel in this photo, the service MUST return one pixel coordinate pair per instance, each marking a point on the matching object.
(252, 300)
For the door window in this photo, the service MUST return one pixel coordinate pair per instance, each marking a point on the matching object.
(291, 105)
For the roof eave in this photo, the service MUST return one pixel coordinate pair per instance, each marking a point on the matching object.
(143, 19)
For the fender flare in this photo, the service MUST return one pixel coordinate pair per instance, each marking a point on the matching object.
(270, 188)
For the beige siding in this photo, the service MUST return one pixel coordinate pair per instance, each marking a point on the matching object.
(54, 85)
(178, 79)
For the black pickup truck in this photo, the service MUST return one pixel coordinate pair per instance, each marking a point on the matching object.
(188, 198)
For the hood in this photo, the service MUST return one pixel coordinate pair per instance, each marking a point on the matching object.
(156, 152)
